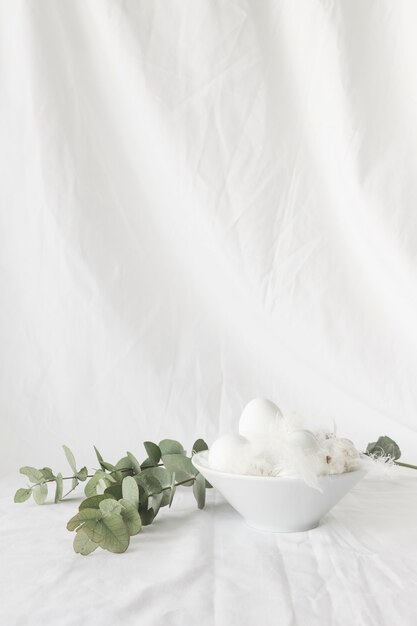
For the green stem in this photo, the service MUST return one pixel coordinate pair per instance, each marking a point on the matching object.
(176, 485)
(128, 469)
(68, 492)
(52, 480)
(405, 465)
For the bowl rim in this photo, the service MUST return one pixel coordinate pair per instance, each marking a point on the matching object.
(204, 453)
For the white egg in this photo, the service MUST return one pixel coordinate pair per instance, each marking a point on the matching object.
(305, 456)
(260, 419)
(230, 453)
(303, 439)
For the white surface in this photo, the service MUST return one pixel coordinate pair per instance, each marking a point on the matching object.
(209, 568)
(203, 202)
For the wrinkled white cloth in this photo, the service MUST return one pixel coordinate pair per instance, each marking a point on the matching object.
(202, 202)
(208, 568)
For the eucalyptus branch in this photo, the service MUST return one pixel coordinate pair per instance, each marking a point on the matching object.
(386, 449)
(120, 498)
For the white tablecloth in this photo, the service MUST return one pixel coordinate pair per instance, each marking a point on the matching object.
(359, 568)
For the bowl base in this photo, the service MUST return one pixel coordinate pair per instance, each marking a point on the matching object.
(295, 529)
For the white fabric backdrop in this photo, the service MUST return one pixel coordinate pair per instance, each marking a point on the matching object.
(203, 202)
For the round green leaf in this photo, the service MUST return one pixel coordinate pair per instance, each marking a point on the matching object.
(181, 465)
(114, 490)
(164, 478)
(170, 446)
(94, 501)
(130, 490)
(130, 516)
(83, 516)
(199, 446)
(385, 446)
(110, 532)
(47, 473)
(40, 493)
(153, 451)
(22, 495)
(90, 488)
(82, 474)
(34, 475)
(93, 529)
(134, 463)
(149, 484)
(109, 506)
(146, 515)
(83, 544)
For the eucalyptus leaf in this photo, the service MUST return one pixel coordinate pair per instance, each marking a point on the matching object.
(102, 485)
(94, 501)
(103, 464)
(160, 473)
(164, 478)
(199, 446)
(154, 502)
(114, 490)
(124, 467)
(110, 532)
(123, 463)
(83, 544)
(385, 446)
(90, 488)
(47, 473)
(82, 475)
(70, 459)
(22, 495)
(199, 490)
(130, 490)
(172, 490)
(82, 516)
(130, 516)
(109, 506)
(170, 446)
(150, 484)
(34, 475)
(153, 451)
(181, 465)
(147, 516)
(59, 488)
(74, 482)
(93, 529)
(40, 493)
(134, 463)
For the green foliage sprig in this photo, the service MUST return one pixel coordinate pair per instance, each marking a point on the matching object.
(120, 498)
(386, 449)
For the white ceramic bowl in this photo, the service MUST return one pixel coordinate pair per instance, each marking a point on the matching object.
(278, 504)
